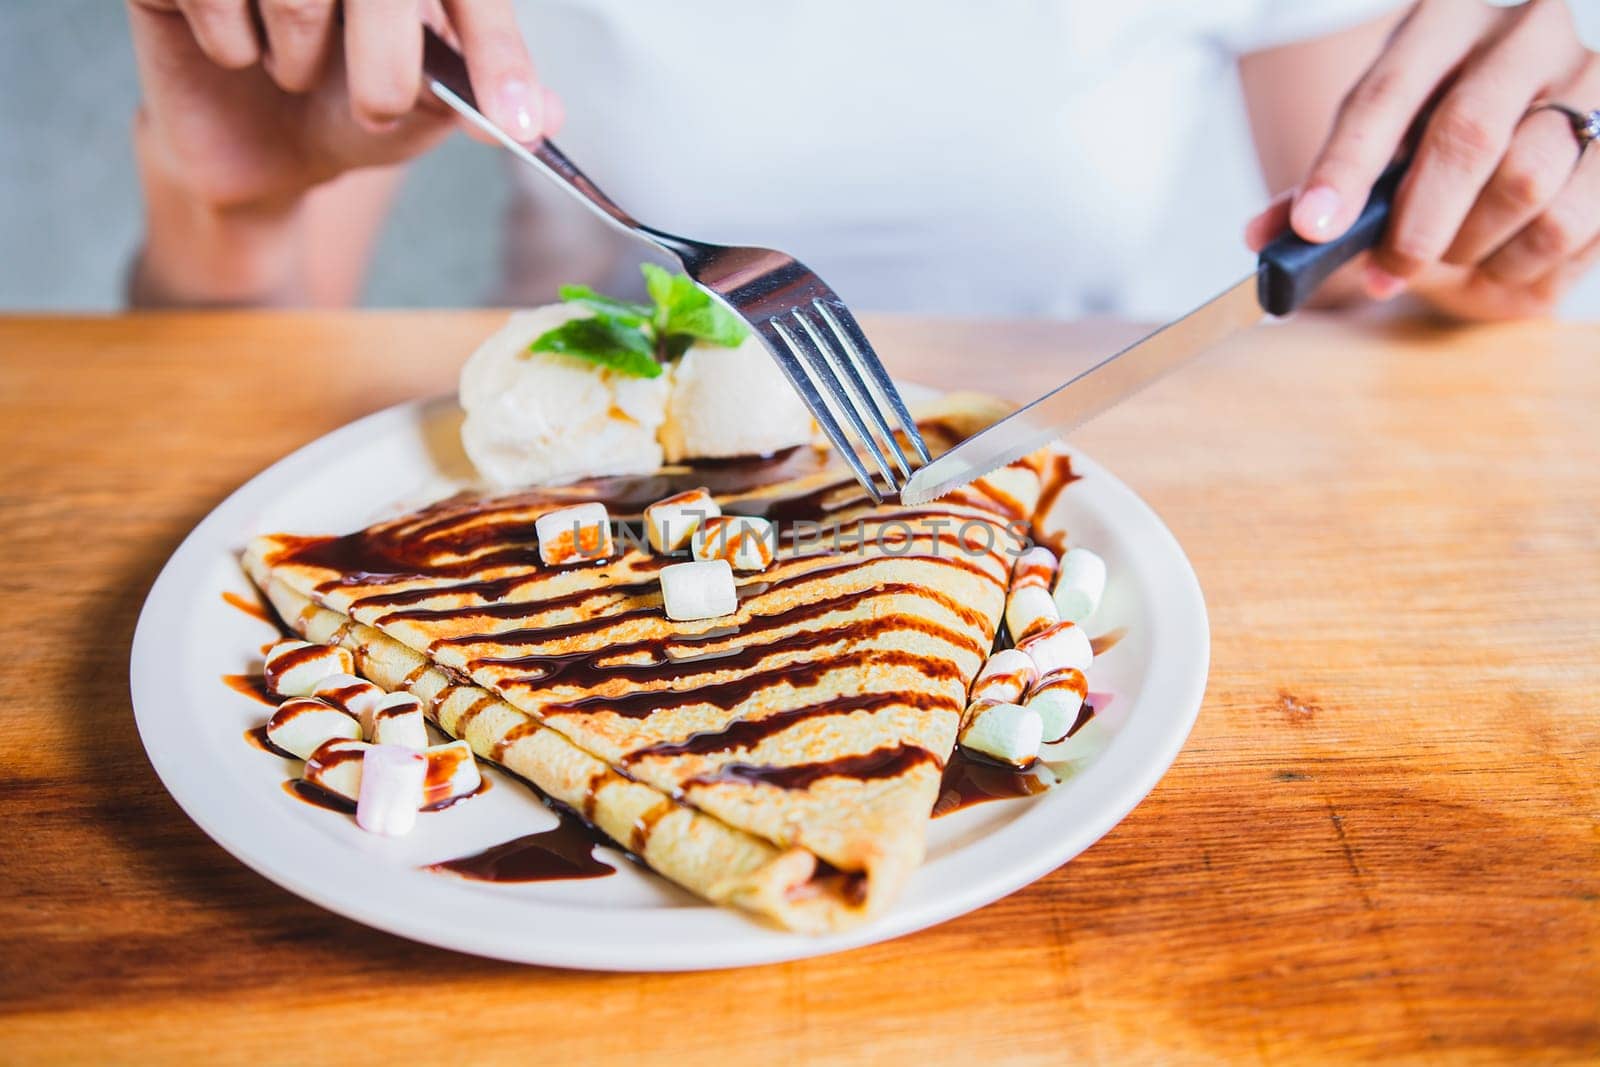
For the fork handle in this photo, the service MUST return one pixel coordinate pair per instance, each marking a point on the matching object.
(446, 75)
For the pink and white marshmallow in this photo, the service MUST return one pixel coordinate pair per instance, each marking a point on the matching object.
(452, 774)
(392, 780)
(1029, 609)
(293, 668)
(703, 589)
(1058, 647)
(302, 724)
(397, 719)
(1036, 566)
(1005, 676)
(1080, 585)
(335, 767)
(670, 523)
(573, 535)
(1058, 698)
(349, 693)
(1003, 731)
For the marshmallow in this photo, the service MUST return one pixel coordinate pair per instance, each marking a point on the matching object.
(335, 767)
(391, 789)
(396, 720)
(452, 774)
(700, 590)
(352, 694)
(670, 523)
(1088, 741)
(1036, 566)
(1005, 676)
(293, 668)
(1029, 609)
(302, 724)
(1006, 732)
(1061, 646)
(1058, 698)
(1080, 585)
(581, 532)
(746, 542)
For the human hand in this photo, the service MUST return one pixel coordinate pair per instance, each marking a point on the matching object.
(254, 102)
(1499, 212)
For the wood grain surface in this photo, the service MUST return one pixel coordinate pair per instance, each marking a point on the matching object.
(1381, 842)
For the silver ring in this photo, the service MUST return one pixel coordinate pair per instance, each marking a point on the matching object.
(1585, 124)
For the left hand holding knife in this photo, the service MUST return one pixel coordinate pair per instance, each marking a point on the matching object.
(1500, 210)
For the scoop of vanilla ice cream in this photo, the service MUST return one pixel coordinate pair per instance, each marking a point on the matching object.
(541, 418)
(732, 402)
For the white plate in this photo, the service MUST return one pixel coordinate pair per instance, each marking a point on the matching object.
(193, 726)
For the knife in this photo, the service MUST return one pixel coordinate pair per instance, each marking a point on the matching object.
(1287, 272)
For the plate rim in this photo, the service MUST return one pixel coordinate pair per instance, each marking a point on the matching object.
(1182, 678)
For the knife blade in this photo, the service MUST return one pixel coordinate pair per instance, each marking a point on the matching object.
(1287, 273)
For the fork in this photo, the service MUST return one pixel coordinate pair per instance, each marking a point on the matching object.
(806, 328)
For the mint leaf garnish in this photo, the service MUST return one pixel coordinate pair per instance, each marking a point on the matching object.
(621, 310)
(683, 308)
(709, 323)
(604, 340)
(636, 339)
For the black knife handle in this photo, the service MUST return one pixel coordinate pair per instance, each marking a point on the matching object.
(1290, 268)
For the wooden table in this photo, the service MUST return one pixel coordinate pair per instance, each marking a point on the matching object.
(1382, 841)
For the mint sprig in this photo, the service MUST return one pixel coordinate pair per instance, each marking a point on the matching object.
(622, 310)
(686, 310)
(606, 341)
(637, 339)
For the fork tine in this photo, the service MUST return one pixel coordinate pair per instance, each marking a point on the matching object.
(824, 360)
(821, 376)
(838, 352)
(849, 331)
(789, 362)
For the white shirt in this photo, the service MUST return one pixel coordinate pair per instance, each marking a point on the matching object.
(1021, 157)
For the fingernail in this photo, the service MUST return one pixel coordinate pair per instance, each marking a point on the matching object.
(1314, 212)
(1381, 285)
(517, 107)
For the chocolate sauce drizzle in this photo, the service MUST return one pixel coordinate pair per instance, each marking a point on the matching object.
(1108, 640)
(318, 797)
(258, 738)
(970, 779)
(471, 558)
(748, 733)
(253, 686)
(891, 761)
(561, 854)
(255, 609)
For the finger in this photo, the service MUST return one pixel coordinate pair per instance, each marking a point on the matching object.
(299, 41)
(497, 59)
(1566, 226)
(1377, 113)
(1468, 134)
(383, 59)
(434, 18)
(1271, 222)
(225, 31)
(1539, 161)
(1535, 168)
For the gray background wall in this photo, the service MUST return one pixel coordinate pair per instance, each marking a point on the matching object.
(69, 209)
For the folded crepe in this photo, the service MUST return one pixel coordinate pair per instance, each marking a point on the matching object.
(783, 760)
